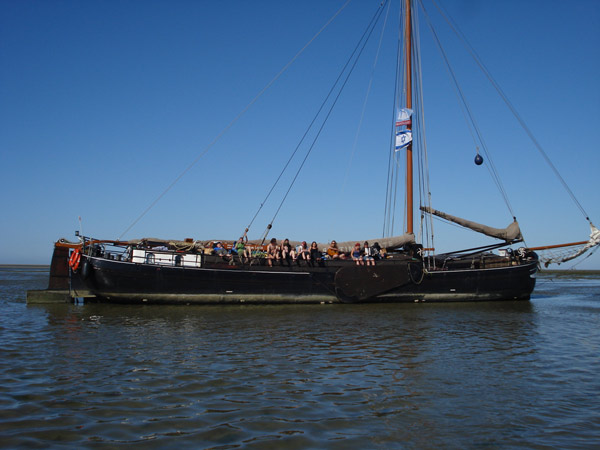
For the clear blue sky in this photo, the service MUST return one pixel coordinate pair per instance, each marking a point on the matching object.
(103, 104)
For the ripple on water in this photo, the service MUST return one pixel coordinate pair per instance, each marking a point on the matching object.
(362, 376)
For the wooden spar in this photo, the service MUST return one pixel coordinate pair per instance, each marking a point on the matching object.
(92, 242)
(409, 157)
(548, 247)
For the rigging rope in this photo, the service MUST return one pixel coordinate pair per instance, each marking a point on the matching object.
(374, 23)
(495, 176)
(582, 260)
(313, 121)
(510, 106)
(421, 141)
(392, 157)
(240, 114)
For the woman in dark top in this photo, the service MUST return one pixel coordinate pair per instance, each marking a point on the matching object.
(315, 254)
(287, 251)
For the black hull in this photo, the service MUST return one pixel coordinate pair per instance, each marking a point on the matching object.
(127, 282)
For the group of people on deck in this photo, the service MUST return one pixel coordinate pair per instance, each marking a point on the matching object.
(361, 255)
(286, 252)
(303, 253)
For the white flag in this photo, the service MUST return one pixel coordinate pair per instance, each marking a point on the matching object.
(403, 138)
(404, 116)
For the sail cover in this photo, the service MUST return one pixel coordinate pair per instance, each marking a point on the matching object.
(510, 233)
(389, 243)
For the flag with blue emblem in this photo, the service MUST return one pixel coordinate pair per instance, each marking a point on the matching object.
(403, 138)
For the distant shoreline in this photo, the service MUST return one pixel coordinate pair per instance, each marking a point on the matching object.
(570, 272)
(24, 266)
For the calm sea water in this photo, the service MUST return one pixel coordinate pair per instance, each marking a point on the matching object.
(503, 375)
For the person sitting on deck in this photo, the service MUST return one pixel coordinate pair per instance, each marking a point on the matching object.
(288, 253)
(376, 251)
(240, 248)
(357, 254)
(219, 250)
(304, 252)
(315, 254)
(383, 253)
(368, 254)
(212, 246)
(273, 252)
(333, 251)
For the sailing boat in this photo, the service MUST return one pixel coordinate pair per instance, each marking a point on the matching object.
(404, 268)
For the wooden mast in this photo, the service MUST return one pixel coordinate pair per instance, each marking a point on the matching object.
(409, 156)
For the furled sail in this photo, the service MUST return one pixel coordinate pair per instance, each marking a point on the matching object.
(510, 233)
(171, 244)
(561, 258)
(594, 241)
